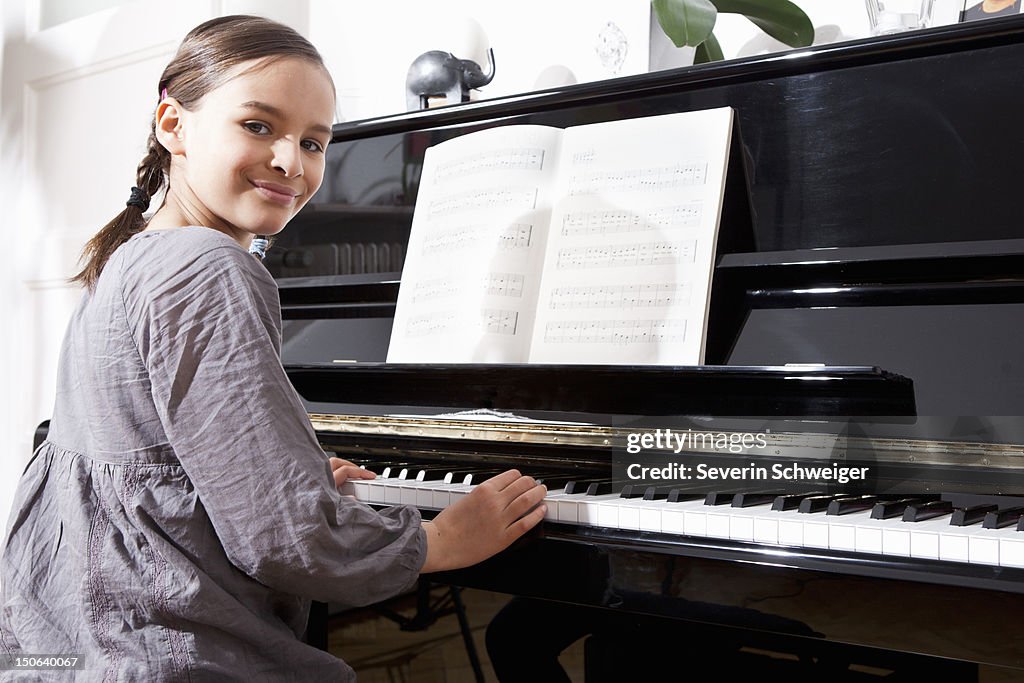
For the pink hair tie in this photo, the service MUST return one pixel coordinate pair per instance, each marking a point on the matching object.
(163, 94)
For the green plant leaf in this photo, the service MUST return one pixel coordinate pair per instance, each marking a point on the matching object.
(780, 19)
(708, 51)
(686, 22)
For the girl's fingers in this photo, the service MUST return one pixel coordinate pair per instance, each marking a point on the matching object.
(500, 481)
(525, 523)
(518, 488)
(525, 502)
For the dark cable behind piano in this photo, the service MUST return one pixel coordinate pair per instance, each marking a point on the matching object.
(877, 234)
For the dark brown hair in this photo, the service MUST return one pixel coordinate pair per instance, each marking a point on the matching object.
(202, 63)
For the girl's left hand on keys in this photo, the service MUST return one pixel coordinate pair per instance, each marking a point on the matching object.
(344, 470)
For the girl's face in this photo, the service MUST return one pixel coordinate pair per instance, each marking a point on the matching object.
(252, 151)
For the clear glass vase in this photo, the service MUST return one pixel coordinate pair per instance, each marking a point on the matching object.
(894, 16)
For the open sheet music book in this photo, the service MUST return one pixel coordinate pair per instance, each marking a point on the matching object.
(594, 244)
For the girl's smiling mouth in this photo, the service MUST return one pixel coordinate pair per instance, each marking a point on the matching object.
(274, 192)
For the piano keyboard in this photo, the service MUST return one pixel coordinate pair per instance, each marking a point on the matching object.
(915, 528)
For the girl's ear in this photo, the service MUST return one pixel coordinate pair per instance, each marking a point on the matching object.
(169, 125)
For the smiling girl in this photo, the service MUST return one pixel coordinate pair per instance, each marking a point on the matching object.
(181, 515)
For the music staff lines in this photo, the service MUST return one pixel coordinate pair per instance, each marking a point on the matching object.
(494, 284)
(512, 236)
(620, 296)
(512, 159)
(614, 331)
(480, 200)
(612, 222)
(639, 179)
(490, 320)
(617, 256)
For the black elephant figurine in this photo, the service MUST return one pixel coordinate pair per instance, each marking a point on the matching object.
(436, 74)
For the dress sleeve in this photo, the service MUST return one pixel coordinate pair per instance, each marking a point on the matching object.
(209, 336)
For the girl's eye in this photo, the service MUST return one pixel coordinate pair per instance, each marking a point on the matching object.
(256, 127)
(313, 146)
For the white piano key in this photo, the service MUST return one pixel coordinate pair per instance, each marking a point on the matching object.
(716, 522)
(896, 539)
(741, 524)
(1011, 548)
(791, 529)
(551, 500)
(983, 546)
(673, 521)
(842, 533)
(926, 537)
(696, 522)
(629, 514)
(588, 509)
(816, 530)
(868, 539)
(608, 513)
(766, 528)
(569, 508)
(954, 546)
(650, 515)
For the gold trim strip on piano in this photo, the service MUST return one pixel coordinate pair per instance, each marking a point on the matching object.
(796, 445)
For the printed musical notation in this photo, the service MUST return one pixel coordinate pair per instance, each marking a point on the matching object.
(498, 321)
(512, 236)
(512, 159)
(639, 179)
(620, 296)
(489, 320)
(504, 284)
(614, 331)
(615, 256)
(611, 222)
(495, 284)
(479, 200)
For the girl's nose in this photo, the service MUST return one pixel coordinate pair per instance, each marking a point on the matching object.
(287, 158)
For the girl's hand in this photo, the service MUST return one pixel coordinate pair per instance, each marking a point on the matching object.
(345, 470)
(485, 522)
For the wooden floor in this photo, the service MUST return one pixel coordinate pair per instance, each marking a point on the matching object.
(381, 652)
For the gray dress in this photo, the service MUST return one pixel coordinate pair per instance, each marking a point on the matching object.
(181, 515)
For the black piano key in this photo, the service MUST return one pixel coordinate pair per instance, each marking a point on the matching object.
(633, 491)
(846, 506)
(754, 498)
(683, 496)
(656, 493)
(997, 519)
(925, 511)
(599, 488)
(719, 497)
(577, 486)
(554, 482)
(1020, 524)
(887, 509)
(973, 514)
(791, 501)
(812, 504)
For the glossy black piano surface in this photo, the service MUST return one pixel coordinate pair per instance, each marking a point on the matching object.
(884, 234)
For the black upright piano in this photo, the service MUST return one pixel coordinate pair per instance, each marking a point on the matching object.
(867, 307)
